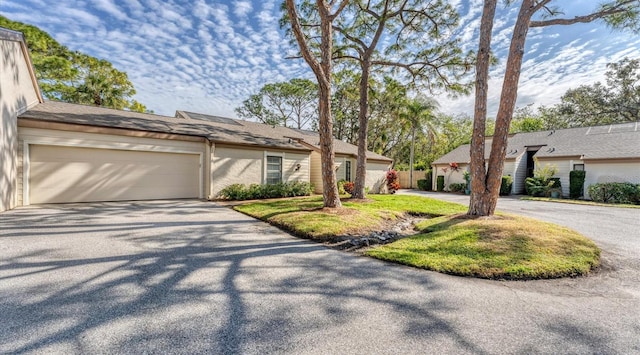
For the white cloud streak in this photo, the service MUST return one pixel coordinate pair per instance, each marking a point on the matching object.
(210, 55)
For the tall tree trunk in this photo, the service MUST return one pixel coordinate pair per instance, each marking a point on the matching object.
(480, 201)
(486, 198)
(363, 120)
(413, 144)
(322, 71)
(329, 183)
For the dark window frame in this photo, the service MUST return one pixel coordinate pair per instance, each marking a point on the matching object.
(273, 161)
(347, 170)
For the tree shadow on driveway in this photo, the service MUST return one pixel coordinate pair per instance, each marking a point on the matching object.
(214, 281)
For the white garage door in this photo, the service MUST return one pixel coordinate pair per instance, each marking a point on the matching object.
(69, 174)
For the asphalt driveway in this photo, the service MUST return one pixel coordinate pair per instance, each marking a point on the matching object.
(195, 277)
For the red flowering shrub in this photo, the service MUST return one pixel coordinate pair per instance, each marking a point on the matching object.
(393, 182)
(348, 187)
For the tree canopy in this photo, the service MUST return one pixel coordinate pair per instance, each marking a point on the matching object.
(72, 76)
(293, 103)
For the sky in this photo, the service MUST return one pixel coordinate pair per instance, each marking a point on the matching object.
(208, 56)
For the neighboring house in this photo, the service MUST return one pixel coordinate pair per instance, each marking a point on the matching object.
(18, 93)
(54, 152)
(607, 153)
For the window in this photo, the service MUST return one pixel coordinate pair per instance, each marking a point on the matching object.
(578, 167)
(347, 170)
(274, 170)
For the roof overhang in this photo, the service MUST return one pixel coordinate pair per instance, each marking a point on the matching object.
(73, 127)
(9, 35)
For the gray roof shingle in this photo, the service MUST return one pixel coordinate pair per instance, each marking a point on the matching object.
(617, 141)
(214, 128)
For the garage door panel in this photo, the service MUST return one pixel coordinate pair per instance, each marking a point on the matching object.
(70, 174)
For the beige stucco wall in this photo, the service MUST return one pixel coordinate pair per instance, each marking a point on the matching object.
(611, 171)
(377, 176)
(39, 136)
(17, 94)
(239, 165)
(316, 172)
(376, 172)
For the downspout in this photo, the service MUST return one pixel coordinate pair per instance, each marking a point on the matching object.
(210, 148)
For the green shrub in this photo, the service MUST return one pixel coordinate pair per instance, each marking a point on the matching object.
(457, 187)
(423, 184)
(505, 185)
(256, 191)
(234, 192)
(576, 183)
(542, 181)
(615, 192)
(341, 189)
(440, 183)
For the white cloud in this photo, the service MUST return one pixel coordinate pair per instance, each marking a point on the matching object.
(210, 55)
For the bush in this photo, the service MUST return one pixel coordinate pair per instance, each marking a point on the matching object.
(505, 185)
(615, 192)
(348, 187)
(440, 183)
(576, 183)
(393, 182)
(423, 184)
(255, 191)
(457, 187)
(341, 189)
(542, 181)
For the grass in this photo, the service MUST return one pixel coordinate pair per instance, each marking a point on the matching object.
(306, 218)
(579, 202)
(499, 247)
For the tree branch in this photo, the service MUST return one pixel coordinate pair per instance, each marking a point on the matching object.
(618, 8)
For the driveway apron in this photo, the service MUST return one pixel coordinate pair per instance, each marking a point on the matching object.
(195, 277)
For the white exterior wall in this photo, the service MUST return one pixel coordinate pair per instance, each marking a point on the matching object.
(289, 165)
(599, 172)
(238, 165)
(38, 136)
(450, 177)
(564, 167)
(510, 170)
(376, 172)
(18, 94)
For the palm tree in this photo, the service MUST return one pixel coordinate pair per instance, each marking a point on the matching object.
(418, 112)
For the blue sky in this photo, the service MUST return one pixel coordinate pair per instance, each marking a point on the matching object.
(209, 55)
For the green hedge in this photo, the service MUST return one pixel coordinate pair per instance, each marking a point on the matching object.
(440, 183)
(505, 185)
(576, 183)
(615, 192)
(457, 187)
(426, 183)
(256, 191)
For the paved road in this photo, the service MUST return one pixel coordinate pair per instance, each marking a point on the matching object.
(194, 277)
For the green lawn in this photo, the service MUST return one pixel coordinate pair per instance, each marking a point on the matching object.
(500, 247)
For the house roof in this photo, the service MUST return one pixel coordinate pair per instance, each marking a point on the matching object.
(308, 138)
(214, 128)
(618, 141)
